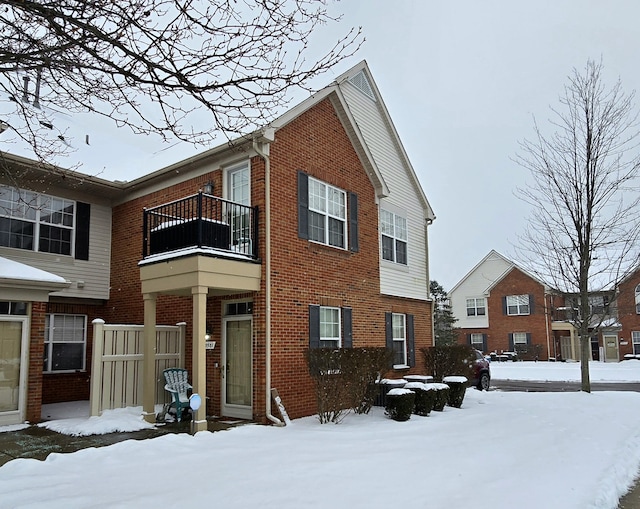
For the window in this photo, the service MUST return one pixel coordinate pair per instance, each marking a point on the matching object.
(64, 343)
(520, 338)
(399, 334)
(638, 300)
(517, 304)
(36, 222)
(394, 237)
(330, 327)
(399, 331)
(324, 212)
(635, 338)
(477, 341)
(476, 307)
(13, 308)
(327, 214)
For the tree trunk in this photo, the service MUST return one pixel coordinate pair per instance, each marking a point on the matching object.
(585, 357)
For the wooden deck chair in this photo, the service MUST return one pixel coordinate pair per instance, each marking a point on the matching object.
(178, 386)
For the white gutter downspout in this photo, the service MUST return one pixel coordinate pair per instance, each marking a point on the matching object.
(268, 137)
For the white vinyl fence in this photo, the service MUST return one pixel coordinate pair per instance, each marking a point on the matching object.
(116, 376)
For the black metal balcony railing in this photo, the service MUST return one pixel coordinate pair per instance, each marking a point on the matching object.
(201, 221)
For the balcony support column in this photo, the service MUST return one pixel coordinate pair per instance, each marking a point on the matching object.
(199, 380)
(149, 359)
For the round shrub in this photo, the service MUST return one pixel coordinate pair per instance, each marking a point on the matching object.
(441, 396)
(424, 399)
(457, 388)
(400, 404)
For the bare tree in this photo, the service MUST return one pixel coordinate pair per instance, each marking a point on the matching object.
(151, 64)
(583, 233)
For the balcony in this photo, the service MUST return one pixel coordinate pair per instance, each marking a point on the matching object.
(201, 222)
(200, 241)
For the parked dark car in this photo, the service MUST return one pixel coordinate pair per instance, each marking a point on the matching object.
(481, 372)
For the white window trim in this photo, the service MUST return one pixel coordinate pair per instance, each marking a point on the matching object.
(48, 344)
(37, 221)
(394, 237)
(327, 338)
(328, 215)
(518, 305)
(475, 335)
(476, 307)
(402, 339)
(226, 183)
(637, 299)
(519, 341)
(635, 340)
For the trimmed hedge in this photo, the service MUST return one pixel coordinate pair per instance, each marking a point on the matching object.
(457, 388)
(441, 396)
(425, 397)
(345, 378)
(400, 404)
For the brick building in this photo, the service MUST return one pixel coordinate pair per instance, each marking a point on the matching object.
(502, 308)
(311, 232)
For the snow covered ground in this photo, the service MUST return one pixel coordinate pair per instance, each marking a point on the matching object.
(500, 450)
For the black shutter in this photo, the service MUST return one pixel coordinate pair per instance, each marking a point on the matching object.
(510, 342)
(303, 205)
(353, 222)
(530, 304)
(484, 344)
(504, 305)
(528, 338)
(411, 350)
(314, 326)
(469, 339)
(83, 217)
(347, 328)
(388, 330)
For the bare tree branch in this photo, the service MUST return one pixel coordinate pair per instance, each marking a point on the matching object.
(151, 64)
(583, 235)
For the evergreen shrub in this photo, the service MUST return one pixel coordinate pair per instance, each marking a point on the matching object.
(457, 388)
(424, 399)
(441, 396)
(400, 403)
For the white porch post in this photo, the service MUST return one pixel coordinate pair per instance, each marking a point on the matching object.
(199, 422)
(149, 362)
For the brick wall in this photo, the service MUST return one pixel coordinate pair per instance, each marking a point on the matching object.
(501, 325)
(303, 273)
(627, 315)
(36, 349)
(60, 387)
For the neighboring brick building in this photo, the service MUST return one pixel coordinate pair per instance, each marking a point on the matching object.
(628, 304)
(502, 308)
(324, 197)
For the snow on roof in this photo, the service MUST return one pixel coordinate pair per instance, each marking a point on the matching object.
(12, 270)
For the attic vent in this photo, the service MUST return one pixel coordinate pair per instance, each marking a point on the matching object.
(361, 82)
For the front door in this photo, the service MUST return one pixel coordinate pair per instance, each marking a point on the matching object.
(611, 348)
(13, 369)
(237, 368)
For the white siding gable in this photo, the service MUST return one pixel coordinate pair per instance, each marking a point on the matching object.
(399, 280)
(475, 285)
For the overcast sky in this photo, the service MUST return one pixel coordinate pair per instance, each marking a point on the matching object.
(461, 80)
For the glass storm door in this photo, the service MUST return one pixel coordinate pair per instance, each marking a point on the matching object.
(236, 397)
(13, 368)
(239, 193)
